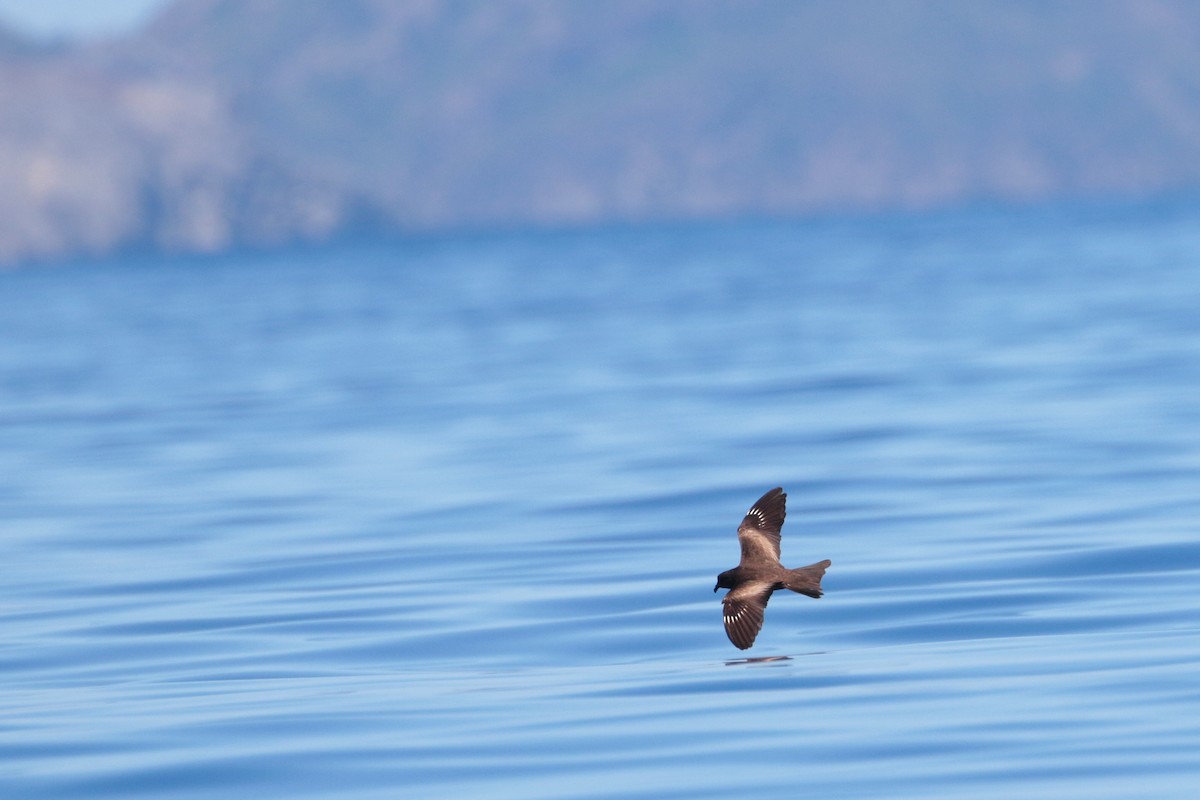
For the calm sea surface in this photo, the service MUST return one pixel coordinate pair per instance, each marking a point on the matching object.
(442, 518)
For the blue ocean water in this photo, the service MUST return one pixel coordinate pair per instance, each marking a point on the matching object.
(441, 518)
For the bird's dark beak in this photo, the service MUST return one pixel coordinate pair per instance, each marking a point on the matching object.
(718, 586)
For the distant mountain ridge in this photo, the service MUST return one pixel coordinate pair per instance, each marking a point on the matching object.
(229, 123)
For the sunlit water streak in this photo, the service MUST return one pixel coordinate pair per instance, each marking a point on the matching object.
(442, 517)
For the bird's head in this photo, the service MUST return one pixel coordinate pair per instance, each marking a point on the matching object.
(726, 580)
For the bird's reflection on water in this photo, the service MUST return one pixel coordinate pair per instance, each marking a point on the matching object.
(760, 660)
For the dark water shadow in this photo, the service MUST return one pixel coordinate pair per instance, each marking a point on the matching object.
(766, 660)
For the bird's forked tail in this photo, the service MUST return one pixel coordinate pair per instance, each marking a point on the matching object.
(807, 580)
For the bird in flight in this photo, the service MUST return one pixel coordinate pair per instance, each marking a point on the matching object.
(759, 573)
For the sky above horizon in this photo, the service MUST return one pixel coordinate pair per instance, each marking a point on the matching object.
(54, 19)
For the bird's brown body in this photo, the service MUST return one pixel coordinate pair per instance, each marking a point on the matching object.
(760, 572)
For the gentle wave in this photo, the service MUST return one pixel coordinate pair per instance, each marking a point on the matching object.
(444, 518)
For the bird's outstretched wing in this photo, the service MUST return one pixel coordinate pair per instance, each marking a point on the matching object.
(743, 609)
(759, 531)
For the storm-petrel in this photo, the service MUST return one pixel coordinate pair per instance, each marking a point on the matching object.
(759, 573)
